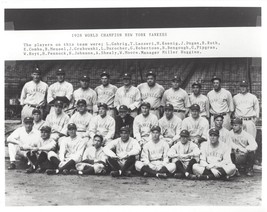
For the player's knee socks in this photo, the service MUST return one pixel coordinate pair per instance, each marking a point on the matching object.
(32, 157)
(190, 165)
(42, 158)
(88, 170)
(164, 170)
(209, 174)
(179, 167)
(114, 164)
(55, 162)
(129, 164)
(69, 165)
(250, 159)
(148, 170)
(221, 170)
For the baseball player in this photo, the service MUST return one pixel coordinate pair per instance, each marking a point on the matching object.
(102, 124)
(170, 125)
(152, 93)
(183, 155)
(33, 94)
(197, 98)
(60, 90)
(215, 160)
(21, 140)
(221, 102)
(86, 93)
(128, 95)
(154, 158)
(38, 154)
(243, 147)
(178, 97)
(121, 153)
(57, 120)
(247, 108)
(123, 120)
(106, 93)
(197, 126)
(94, 159)
(38, 122)
(70, 153)
(143, 123)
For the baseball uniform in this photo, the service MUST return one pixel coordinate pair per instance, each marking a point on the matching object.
(202, 101)
(38, 125)
(225, 137)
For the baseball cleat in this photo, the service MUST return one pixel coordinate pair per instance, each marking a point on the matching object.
(250, 172)
(39, 170)
(237, 173)
(146, 174)
(161, 175)
(115, 173)
(202, 177)
(65, 172)
(30, 170)
(127, 173)
(178, 175)
(11, 166)
(192, 177)
(50, 171)
(73, 171)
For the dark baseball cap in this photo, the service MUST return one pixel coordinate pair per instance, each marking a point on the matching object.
(28, 120)
(81, 101)
(244, 84)
(147, 104)
(217, 116)
(168, 106)
(104, 105)
(195, 107)
(176, 78)
(237, 121)
(127, 76)
(155, 127)
(46, 129)
(123, 108)
(60, 72)
(151, 73)
(72, 126)
(105, 74)
(36, 70)
(184, 133)
(196, 84)
(85, 78)
(58, 103)
(215, 78)
(214, 131)
(35, 110)
(127, 129)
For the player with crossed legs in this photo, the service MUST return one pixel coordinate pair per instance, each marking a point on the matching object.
(121, 154)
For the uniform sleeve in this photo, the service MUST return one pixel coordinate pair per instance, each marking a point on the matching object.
(92, 127)
(196, 151)
(77, 156)
(136, 131)
(69, 92)
(230, 102)
(256, 106)
(165, 153)
(186, 100)
(135, 150)
(111, 130)
(177, 130)
(145, 155)
(50, 95)
(49, 147)
(137, 100)
(94, 102)
(117, 100)
(23, 95)
(205, 128)
(252, 144)
(64, 125)
(109, 147)
(226, 158)
(164, 99)
(14, 137)
(62, 150)
(207, 107)
(203, 156)
(172, 151)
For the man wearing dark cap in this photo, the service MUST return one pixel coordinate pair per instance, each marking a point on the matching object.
(70, 153)
(183, 155)
(102, 124)
(142, 124)
(197, 98)
(197, 126)
(106, 93)
(33, 94)
(128, 95)
(178, 97)
(121, 153)
(170, 125)
(243, 146)
(21, 140)
(247, 108)
(221, 102)
(151, 92)
(86, 93)
(123, 120)
(38, 122)
(215, 160)
(154, 158)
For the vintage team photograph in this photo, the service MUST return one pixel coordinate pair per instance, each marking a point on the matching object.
(144, 131)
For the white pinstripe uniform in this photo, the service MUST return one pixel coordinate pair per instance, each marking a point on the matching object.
(89, 95)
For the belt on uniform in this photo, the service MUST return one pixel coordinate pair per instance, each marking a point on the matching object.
(247, 118)
(179, 111)
(222, 114)
(34, 106)
(81, 130)
(153, 108)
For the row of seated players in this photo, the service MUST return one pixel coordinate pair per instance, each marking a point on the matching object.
(209, 159)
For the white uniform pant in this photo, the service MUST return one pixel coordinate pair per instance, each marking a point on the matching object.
(226, 121)
(98, 167)
(230, 169)
(250, 127)
(154, 165)
(14, 150)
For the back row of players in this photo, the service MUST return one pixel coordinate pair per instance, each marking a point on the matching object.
(152, 100)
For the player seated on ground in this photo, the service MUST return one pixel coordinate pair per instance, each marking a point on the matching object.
(22, 139)
(123, 120)
(154, 158)
(121, 153)
(38, 155)
(38, 122)
(94, 160)
(243, 147)
(70, 153)
(143, 123)
(215, 159)
(184, 154)
(102, 124)
(170, 125)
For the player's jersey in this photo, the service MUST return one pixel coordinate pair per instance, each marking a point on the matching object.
(171, 128)
(89, 95)
(57, 122)
(196, 127)
(246, 105)
(142, 125)
(33, 93)
(155, 152)
(47, 145)
(178, 98)
(81, 121)
(59, 89)
(203, 103)
(152, 95)
(106, 94)
(38, 125)
(220, 102)
(102, 126)
(130, 97)
(225, 137)
(94, 154)
(244, 140)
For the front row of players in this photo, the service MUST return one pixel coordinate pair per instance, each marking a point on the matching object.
(211, 159)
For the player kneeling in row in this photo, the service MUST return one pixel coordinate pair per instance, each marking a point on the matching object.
(184, 155)
(215, 159)
(121, 153)
(70, 152)
(154, 158)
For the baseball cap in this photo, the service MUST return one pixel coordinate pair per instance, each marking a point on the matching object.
(123, 108)
(168, 106)
(176, 78)
(36, 70)
(85, 78)
(244, 84)
(127, 129)
(81, 101)
(58, 103)
(127, 76)
(46, 129)
(155, 127)
(72, 126)
(215, 78)
(105, 74)
(237, 121)
(147, 104)
(217, 116)
(35, 110)
(151, 73)
(196, 84)
(184, 133)
(104, 105)
(195, 107)
(214, 131)
(60, 72)
(28, 120)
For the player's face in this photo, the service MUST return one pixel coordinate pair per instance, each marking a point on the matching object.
(216, 85)
(195, 114)
(97, 142)
(155, 135)
(218, 122)
(81, 108)
(58, 109)
(60, 77)
(214, 139)
(125, 136)
(72, 132)
(105, 80)
(196, 90)
(36, 77)
(102, 111)
(144, 110)
(151, 80)
(122, 114)
(126, 82)
(84, 84)
(237, 127)
(168, 113)
(45, 135)
(243, 89)
(184, 140)
(28, 126)
(175, 84)
(36, 117)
